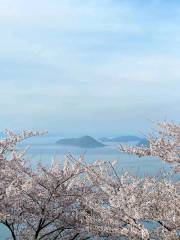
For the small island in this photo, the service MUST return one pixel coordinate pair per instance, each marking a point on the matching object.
(127, 138)
(82, 142)
(143, 143)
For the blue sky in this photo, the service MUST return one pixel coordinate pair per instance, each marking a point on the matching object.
(100, 67)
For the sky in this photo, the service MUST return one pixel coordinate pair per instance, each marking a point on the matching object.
(97, 67)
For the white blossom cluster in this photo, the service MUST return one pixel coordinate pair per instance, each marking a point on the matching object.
(164, 145)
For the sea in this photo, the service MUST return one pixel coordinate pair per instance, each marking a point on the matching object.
(44, 150)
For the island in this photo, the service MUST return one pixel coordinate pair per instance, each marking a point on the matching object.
(143, 143)
(127, 138)
(82, 142)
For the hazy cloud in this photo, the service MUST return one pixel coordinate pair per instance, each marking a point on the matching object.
(98, 64)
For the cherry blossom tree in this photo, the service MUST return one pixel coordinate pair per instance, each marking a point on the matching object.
(128, 203)
(80, 201)
(41, 204)
(164, 198)
(164, 144)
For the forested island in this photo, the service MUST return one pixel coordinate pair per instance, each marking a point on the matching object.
(82, 142)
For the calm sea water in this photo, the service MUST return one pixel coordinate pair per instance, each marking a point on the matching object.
(44, 149)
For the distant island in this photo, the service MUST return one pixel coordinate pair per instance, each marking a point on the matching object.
(82, 142)
(127, 138)
(143, 143)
